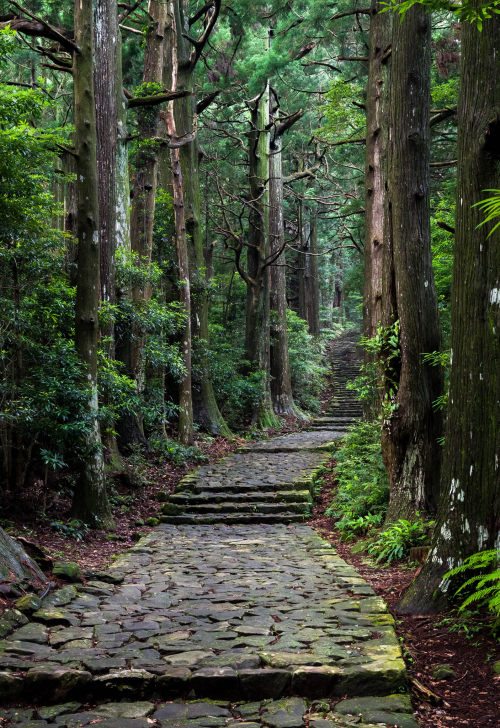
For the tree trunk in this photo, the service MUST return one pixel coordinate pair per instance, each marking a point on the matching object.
(207, 412)
(15, 564)
(113, 192)
(376, 167)
(90, 503)
(130, 428)
(281, 383)
(469, 513)
(257, 343)
(410, 448)
(313, 317)
(186, 432)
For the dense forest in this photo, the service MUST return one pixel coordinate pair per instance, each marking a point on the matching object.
(197, 196)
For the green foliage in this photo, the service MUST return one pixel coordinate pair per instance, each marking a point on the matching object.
(394, 543)
(344, 120)
(483, 588)
(381, 374)
(306, 368)
(350, 526)
(177, 453)
(491, 208)
(363, 487)
(237, 394)
(468, 10)
(74, 528)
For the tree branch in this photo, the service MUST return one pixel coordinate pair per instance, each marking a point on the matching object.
(155, 99)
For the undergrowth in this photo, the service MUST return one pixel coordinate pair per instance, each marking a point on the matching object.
(362, 494)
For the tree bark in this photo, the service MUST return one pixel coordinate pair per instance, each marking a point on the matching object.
(186, 431)
(257, 342)
(112, 166)
(206, 411)
(469, 513)
(90, 503)
(281, 383)
(411, 452)
(313, 314)
(376, 167)
(130, 427)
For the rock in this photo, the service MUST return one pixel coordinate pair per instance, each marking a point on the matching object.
(173, 682)
(316, 682)
(496, 667)
(9, 620)
(161, 496)
(56, 616)
(67, 570)
(61, 597)
(10, 687)
(264, 683)
(126, 710)
(53, 711)
(443, 672)
(124, 683)
(28, 603)
(360, 706)
(286, 713)
(152, 521)
(221, 683)
(32, 632)
(53, 683)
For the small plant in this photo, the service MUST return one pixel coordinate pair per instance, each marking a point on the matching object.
(360, 526)
(72, 529)
(363, 486)
(485, 587)
(395, 542)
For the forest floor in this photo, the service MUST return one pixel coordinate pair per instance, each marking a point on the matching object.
(470, 696)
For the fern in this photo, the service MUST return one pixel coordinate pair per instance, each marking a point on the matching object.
(486, 586)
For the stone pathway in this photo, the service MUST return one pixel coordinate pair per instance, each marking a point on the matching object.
(222, 616)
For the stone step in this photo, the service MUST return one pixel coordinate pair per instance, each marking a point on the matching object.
(237, 507)
(284, 496)
(230, 518)
(198, 487)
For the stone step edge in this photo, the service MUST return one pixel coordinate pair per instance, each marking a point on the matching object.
(209, 519)
(59, 684)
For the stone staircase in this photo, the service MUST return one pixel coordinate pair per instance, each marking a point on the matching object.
(283, 470)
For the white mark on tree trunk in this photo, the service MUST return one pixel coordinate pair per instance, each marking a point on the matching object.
(445, 532)
(495, 296)
(482, 537)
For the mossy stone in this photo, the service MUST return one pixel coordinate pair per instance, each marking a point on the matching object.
(28, 603)
(443, 672)
(161, 496)
(67, 570)
(496, 667)
(152, 521)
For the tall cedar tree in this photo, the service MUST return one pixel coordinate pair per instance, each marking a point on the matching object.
(469, 513)
(410, 434)
(90, 502)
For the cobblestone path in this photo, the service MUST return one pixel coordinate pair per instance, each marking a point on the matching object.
(209, 622)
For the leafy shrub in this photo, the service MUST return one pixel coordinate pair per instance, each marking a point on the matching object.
(484, 588)
(177, 453)
(72, 529)
(237, 394)
(396, 541)
(350, 526)
(363, 487)
(306, 369)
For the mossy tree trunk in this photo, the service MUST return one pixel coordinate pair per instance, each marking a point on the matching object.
(112, 160)
(469, 512)
(206, 411)
(281, 383)
(257, 340)
(378, 249)
(90, 503)
(410, 448)
(130, 427)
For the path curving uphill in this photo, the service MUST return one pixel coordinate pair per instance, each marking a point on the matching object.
(232, 613)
